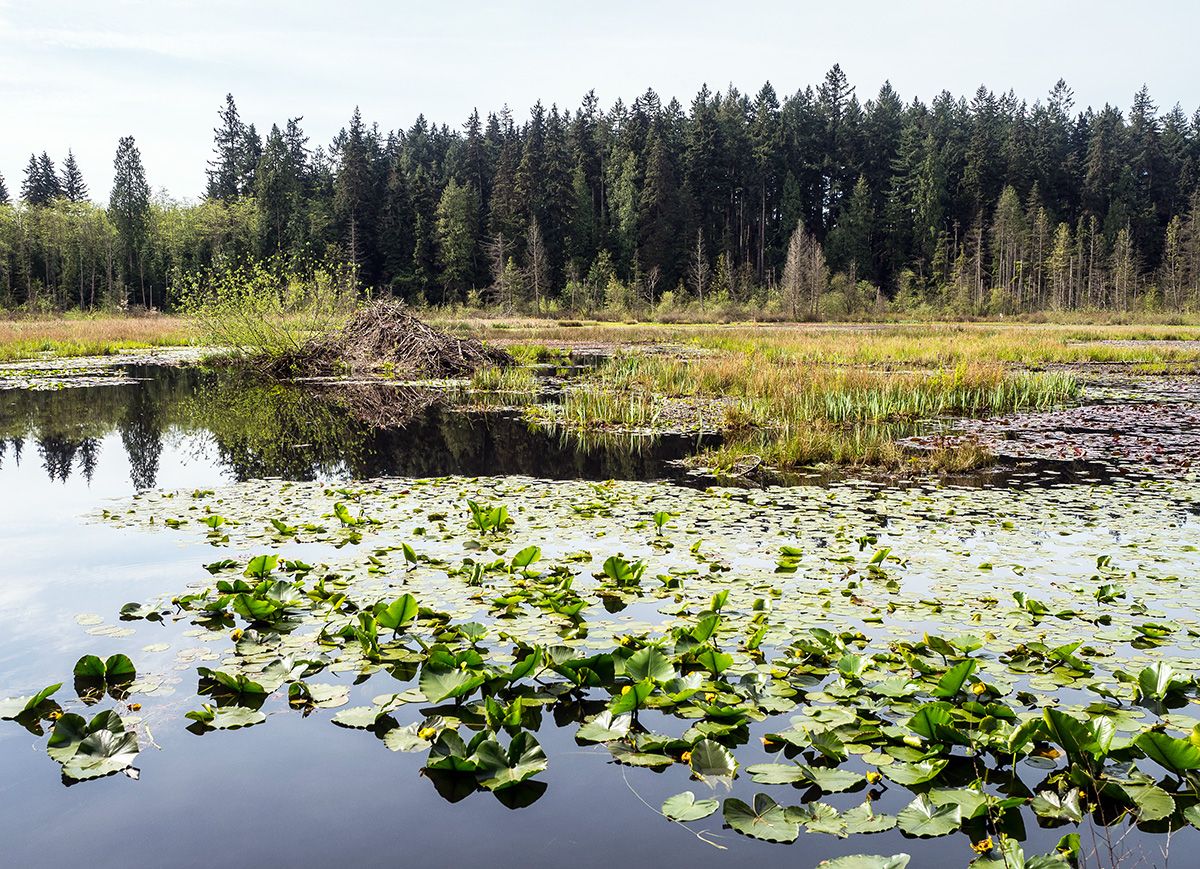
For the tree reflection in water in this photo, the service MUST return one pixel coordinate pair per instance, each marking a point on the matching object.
(250, 428)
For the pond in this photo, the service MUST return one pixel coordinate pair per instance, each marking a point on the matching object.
(728, 642)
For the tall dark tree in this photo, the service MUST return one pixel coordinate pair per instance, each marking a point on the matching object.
(129, 210)
(73, 185)
(355, 193)
(234, 145)
(41, 185)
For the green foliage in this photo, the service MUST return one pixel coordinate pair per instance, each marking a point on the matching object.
(264, 311)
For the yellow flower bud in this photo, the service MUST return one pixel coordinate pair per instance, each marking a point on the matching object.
(686, 757)
(626, 689)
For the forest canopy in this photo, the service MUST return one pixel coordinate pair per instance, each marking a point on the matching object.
(817, 203)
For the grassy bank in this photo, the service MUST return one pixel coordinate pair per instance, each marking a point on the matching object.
(92, 335)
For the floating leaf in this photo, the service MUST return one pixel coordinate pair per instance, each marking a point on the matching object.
(710, 760)
(766, 820)
(922, 818)
(685, 807)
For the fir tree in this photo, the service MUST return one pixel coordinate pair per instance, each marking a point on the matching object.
(73, 185)
(129, 209)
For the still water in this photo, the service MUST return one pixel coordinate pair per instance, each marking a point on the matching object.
(297, 791)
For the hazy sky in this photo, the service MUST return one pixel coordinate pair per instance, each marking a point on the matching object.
(81, 73)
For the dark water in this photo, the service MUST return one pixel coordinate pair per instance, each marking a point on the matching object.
(239, 428)
(295, 791)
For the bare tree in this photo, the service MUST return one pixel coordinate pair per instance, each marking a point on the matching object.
(537, 271)
(805, 273)
(700, 271)
(651, 283)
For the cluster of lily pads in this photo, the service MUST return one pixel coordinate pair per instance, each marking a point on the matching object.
(666, 649)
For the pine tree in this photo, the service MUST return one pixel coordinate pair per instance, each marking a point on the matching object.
(1059, 269)
(1173, 270)
(659, 218)
(4, 198)
(129, 209)
(1123, 270)
(278, 196)
(41, 186)
(850, 242)
(51, 187)
(353, 193)
(226, 170)
(1009, 240)
(73, 185)
(457, 219)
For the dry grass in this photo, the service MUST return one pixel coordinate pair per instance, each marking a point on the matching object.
(98, 335)
(905, 344)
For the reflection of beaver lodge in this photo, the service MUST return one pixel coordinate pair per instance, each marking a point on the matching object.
(379, 405)
(386, 334)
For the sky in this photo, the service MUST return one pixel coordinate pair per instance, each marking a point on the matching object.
(81, 73)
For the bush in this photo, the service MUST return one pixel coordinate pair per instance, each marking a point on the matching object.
(258, 309)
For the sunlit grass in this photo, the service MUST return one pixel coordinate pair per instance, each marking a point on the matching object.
(790, 412)
(92, 335)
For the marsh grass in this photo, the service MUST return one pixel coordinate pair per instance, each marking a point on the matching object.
(792, 412)
(516, 378)
(891, 345)
(90, 335)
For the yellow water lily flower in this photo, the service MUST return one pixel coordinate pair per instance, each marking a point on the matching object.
(979, 688)
(874, 777)
(626, 689)
(236, 635)
(984, 846)
(135, 707)
(427, 732)
(686, 757)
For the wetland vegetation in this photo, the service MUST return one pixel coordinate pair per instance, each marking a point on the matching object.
(796, 481)
(902, 636)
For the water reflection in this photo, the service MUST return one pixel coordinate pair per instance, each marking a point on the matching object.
(252, 429)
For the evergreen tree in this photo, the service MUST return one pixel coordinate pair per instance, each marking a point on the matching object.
(41, 185)
(73, 185)
(457, 219)
(226, 171)
(659, 217)
(354, 193)
(129, 209)
(850, 242)
(279, 195)
(4, 199)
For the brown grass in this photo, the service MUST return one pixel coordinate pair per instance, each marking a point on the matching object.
(98, 335)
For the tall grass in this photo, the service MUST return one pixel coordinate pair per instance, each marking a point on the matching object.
(891, 345)
(774, 390)
(90, 335)
(792, 412)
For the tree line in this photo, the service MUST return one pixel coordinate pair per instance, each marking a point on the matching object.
(814, 204)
